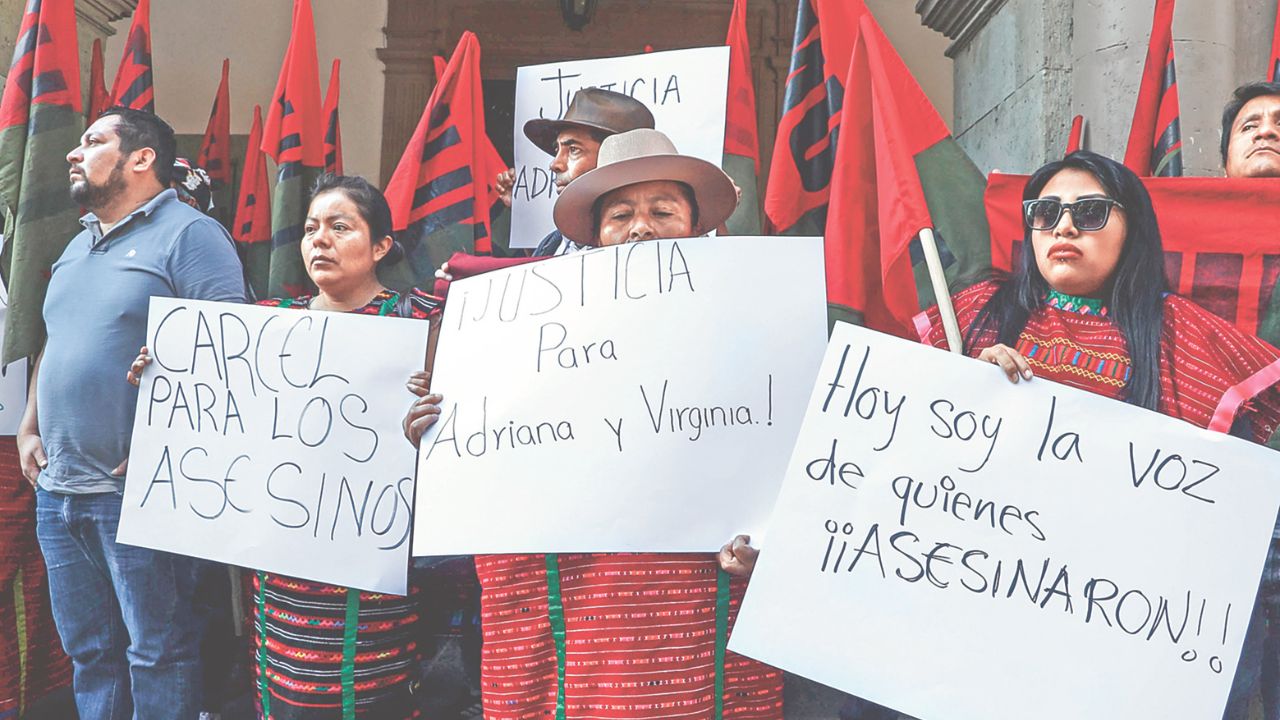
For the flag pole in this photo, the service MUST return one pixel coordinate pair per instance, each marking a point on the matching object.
(938, 279)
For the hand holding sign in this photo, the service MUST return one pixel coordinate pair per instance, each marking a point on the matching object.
(269, 438)
(949, 525)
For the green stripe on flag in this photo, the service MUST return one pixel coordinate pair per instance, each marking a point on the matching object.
(40, 217)
(289, 201)
(953, 190)
(745, 219)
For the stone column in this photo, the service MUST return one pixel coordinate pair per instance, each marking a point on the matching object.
(1026, 68)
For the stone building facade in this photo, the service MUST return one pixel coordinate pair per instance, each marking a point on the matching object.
(1024, 68)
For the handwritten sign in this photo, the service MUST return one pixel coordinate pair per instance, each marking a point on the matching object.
(960, 548)
(684, 89)
(270, 438)
(635, 397)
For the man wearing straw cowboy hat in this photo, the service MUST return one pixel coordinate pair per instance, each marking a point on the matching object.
(573, 142)
(623, 609)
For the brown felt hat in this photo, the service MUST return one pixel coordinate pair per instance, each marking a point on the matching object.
(604, 110)
(635, 157)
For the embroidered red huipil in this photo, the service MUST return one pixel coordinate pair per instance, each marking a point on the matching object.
(1210, 372)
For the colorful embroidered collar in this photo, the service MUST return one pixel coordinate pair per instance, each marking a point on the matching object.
(1071, 303)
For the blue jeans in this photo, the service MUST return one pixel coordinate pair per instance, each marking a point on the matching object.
(124, 613)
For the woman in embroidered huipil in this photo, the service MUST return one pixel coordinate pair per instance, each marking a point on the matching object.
(310, 661)
(1088, 305)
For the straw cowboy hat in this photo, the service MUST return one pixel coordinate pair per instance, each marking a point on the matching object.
(593, 108)
(641, 156)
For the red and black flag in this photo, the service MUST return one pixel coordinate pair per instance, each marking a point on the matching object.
(1273, 64)
(1075, 139)
(215, 148)
(133, 87)
(897, 171)
(1155, 137)
(294, 137)
(741, 137)
(804, 151)
(251, 227)
(442, 192)
(99, 97)
(40, 120)
(332, 130)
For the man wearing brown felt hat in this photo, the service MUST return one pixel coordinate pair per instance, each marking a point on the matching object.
(573, 142)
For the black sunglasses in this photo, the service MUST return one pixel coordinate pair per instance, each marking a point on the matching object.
(1088, 214)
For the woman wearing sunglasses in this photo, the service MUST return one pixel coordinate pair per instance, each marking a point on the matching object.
(1088, 305)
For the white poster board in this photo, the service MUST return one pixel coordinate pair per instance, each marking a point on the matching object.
(685, 89)
(13, 387)
(1058, 554)
(640, 397)
(270, 438)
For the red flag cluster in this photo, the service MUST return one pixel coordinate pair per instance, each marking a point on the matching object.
(1155, 137)
(215, 148)
(134, 87)
(445, 176)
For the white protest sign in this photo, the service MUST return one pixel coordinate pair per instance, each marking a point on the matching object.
(956, 547)
(640, 397)
(686, 90)
(13, 388)
(270, 438)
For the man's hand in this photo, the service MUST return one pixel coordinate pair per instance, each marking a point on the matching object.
(506, 180)
(31, 456)
(121, 469)
(134, 376)
(737, 557)
(425, 411)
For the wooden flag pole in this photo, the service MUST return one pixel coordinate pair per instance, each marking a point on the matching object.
(938, 279)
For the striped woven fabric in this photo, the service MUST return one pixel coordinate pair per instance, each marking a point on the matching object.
(1209, 370)
(640, 640)
(310, 663)
(302, 649)
(32, 663)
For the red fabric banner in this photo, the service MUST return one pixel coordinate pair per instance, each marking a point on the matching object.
(804, 149)
(877, 200)
(99, 96)
(294, 128)
(46, 62)
(1219, 249)
(215, 148)
(446, 173)
(1155, 135)
(133, 87)
(253, 206)
(332, 130)
(741, 136)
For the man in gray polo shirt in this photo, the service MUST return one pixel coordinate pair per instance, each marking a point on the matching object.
(124, 613)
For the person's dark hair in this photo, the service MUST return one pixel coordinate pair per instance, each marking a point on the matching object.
(370, 203)
(597, 208)
(141, 129)
(1239, 98)
(1136, 292)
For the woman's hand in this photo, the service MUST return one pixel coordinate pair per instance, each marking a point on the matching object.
(737, 557)
(424, 412)
(1015, 366)
(135, 370)
(442, 273)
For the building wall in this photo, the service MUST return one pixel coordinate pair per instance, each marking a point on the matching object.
(1036, 64)
(191, 37)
